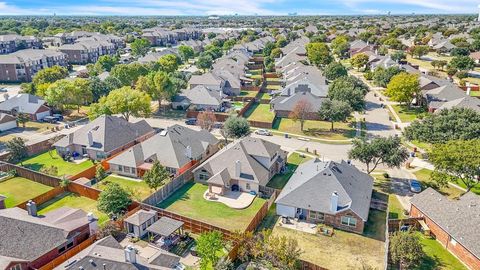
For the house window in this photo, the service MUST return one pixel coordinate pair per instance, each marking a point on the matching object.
(126, 169)
(144, 226)
(315, 215)
(16, 267)
(349, 221)
(247, 186)
(203, 176)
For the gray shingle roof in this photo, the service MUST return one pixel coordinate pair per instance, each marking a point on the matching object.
(459, 218)
(312, 185)
(203, 95)
(22, 103)
(140, 217)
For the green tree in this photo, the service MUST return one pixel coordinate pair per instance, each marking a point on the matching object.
(186, 52)
(236, 127)
(267, 50)
(334, 70)
(23, 118)
(100, 172)
(128, 74)
(69, 92)
(169, 63)
(388, 151)
(107, 62)
(319, 54)
(208, 247)
(348, 89)
(406, 249)
(359, 60)
(17, 150)
(204, 62)
(397, 56)
(276, 53)
(456, 161)
(156, 176)
(227, 45)
(140, 46)
(49, 75)
(382, 76)
(114, 199)
(462, 63)
(302, 110)
(281, 42)
(340, 45)
(334, 111)
(419, 50)
(124, 101)
(403, 87)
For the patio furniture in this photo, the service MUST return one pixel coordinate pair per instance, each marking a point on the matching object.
(168, 230)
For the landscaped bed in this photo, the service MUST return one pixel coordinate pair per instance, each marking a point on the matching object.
(73, 200)
(343, 250)
(320, 129)
(280, 180)
(19, 189)
(47, 159)
(260, 112)
(138, 188)
(188, 201)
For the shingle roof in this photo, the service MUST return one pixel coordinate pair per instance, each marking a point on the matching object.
(203, 95)
(22, 103)
(459, 218)
(312, 185)
(140, 217)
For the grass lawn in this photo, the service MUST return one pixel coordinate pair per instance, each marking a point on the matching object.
(343, 250)
(260, 112)
(19, 189)
(265, 96)
(256, 76)
(255, 71)
(168, 113)
(248, 93)
(273, 79)
(37, 162)
(423, 176)
(423, 145)
(273, 87)
(383, 191)
(280, 180)
(39, 127)
(73, 200)
(139, 189)
(475, 93)
(408, 114)
(6, 138)
(320, 129)
(189, 201)
(437, 256)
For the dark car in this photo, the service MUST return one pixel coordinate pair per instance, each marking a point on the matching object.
(415, 186)
(191, 121)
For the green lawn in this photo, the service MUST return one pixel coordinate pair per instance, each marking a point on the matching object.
(189, 201)
(37, 162)
(273, 87)
(74, 201)
(320, 129)
(139, 189)
(423, 176)
(437, 256)
(19, 189)
(343, 250)
(280, 180)
(248, 93)
(408, 114)
(273, 79)
(255, 71)
(260, 112)
(265, 96)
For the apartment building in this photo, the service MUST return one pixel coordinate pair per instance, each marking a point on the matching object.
(162, 37)
(87, 51)
(12, 43)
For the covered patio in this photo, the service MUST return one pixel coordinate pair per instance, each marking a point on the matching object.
(165, 232)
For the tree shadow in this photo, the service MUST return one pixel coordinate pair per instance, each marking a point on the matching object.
(377, 126)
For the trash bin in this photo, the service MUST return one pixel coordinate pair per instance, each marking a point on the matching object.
(286, 135)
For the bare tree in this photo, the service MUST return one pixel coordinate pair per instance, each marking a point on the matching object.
(206, 120)
(301, 112)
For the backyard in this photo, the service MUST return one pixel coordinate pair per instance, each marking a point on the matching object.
(251, 94)
(19, 189)
(138, 188)
(343, 250)
(320, 129)
(260, 112)
(280, 180)
(188, 201)
(408, 114)
(47, 159)
(437, 257)
(73, 200)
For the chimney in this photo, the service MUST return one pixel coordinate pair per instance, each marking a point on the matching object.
(92, 223)
(188, 151)
(32, 208)
(238, 168)
(130, 254)
(2, 202)
(90, 138)
(334, 202)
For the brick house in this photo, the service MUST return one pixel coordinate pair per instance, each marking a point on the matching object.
(454, 223)
(13, 42)
(26, 104)
(337, 194)
(33, 241)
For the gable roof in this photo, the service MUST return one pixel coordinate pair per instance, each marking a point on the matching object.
(22, 103)
(202, 95)
(312, 184)
(459, 218)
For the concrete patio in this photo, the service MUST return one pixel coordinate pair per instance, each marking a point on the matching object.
(298, 225)
(232, 199)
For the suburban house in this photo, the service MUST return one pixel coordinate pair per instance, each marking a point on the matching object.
(138, 223)
(29, 241)
(199, 97)
(155, 56)
(7, 122)
(177, 148)
(103, 137)
(454, 223)
(22, 65)
(13, 42)
(108, 254)
(335, 193)
(26, 104)
(245, 165)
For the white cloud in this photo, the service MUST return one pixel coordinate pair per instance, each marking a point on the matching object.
(431, 6)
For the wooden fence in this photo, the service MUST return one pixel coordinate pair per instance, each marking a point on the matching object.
(261, 124)
(395, 224)
(169, 188)
(33, 149)
(31, 174)
(45, 197)
(84, 191)
(69, 254)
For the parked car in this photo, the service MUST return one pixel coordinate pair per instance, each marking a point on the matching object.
(3, 90)
(415, 186)
(263, 132)
(191, 121)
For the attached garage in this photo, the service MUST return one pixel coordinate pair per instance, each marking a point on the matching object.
(7, 122)
(285, 211)
(42, 112)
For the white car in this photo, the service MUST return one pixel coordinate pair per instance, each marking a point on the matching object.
(263, 132)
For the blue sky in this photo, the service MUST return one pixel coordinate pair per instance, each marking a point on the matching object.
(227, 7)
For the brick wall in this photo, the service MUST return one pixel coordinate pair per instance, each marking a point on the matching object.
(335, 221)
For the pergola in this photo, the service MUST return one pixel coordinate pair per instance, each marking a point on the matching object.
(166, 228)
